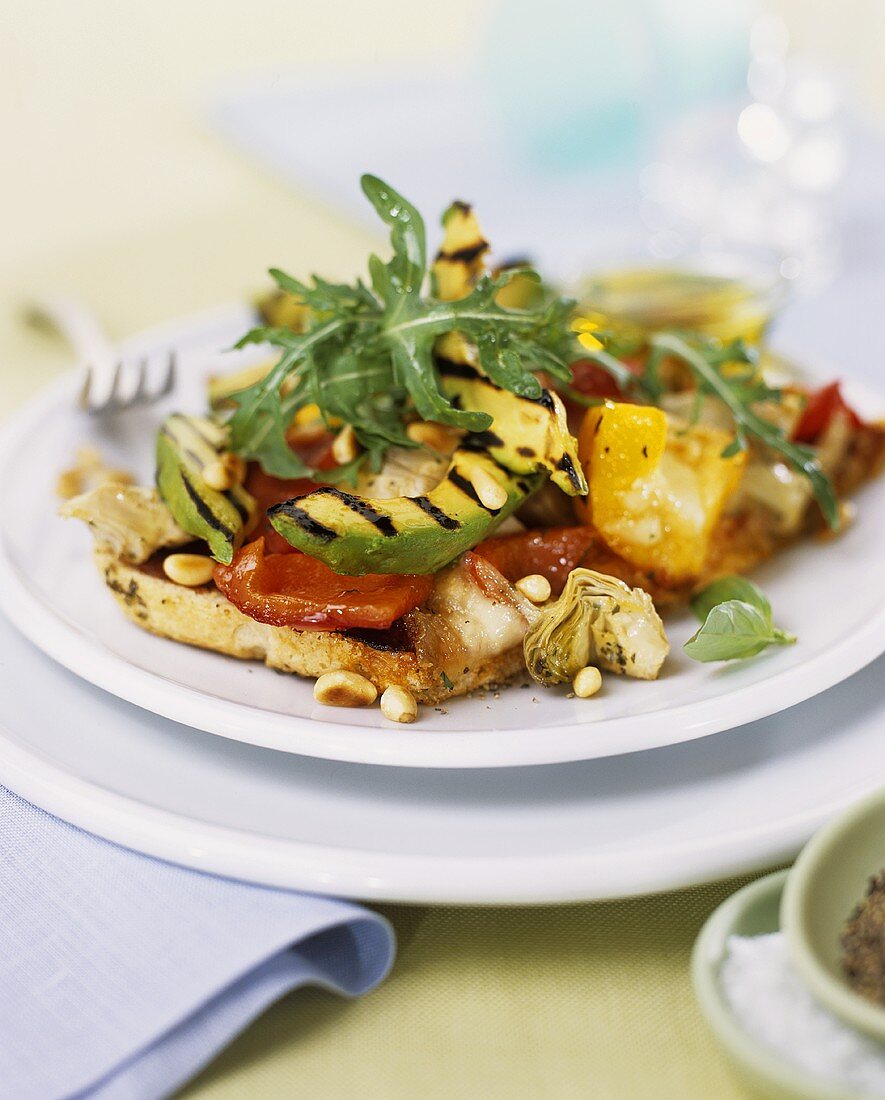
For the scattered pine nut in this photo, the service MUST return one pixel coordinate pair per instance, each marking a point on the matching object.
(398, 704)
(490, 492)
(88, 458)
(345, 446)
(344, 689)
(587, 682)
(69, 484)
(88, 472)
(534, 587)
(190, 570)
(112, 476)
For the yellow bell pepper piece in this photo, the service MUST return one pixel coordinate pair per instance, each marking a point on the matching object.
(657, 488)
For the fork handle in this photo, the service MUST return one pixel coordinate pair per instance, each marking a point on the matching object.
(79, 326)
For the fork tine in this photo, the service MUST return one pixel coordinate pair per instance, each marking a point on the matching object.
(117, 399)
(114, 401)
(83, 395)
(169, 380)
(141, 385)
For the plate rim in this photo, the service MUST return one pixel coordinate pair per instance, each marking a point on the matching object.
(342, 741)
(369, 875)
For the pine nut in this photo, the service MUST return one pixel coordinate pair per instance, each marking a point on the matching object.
(226, 472)
(398, 704)
(587, 682)
(112, 476)
(190, 570)
(435, 436)
(344, 689)
(216, 476)
(491, 493)
(69, 484)
(345, 446)
(88, 458)
(534, 587)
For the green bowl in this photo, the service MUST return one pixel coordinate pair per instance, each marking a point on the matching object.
(752, 911)
(828, 880)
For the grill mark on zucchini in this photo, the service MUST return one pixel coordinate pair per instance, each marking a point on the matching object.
(200, 463)
(465, 255)
(242, 510)
(461, 370)
(481, 441)
(437, 514)
(230, 495)
(461, 482)
(568, 468)
(448, 367)
(380, 520)
(304, 520)
(209, 443)
(204, 511)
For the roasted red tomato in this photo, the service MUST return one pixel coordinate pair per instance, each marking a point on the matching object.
(269, 490)
(553, 552)
(823, 404)
(296, 590)
(593, 380)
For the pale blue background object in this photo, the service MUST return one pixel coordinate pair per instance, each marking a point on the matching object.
(585, 86)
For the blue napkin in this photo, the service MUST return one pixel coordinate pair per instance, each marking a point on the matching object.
(121, 976)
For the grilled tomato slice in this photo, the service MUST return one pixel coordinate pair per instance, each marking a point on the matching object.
(296, 590)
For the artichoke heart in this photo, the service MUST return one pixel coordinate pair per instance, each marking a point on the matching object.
(598, 620)
(129, 519)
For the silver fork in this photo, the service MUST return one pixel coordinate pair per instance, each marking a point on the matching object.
(110, 384)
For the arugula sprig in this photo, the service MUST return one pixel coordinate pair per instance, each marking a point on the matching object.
(736, 622)
(738, 390)
(367, 358)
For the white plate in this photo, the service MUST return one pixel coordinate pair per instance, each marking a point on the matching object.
(832, 596)
(597, 829)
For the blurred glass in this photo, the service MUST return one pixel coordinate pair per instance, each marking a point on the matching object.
(759, 174)
(710, 298)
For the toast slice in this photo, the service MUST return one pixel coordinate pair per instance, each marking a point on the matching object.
(205, 618)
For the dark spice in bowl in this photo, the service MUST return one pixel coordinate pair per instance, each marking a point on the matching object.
(863, 943)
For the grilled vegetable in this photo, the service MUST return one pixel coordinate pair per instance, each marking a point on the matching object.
(598, 620)
(656, 488)
(528, 434)
(298, 591)
(421, 534)
(186, 445)
(460, 260)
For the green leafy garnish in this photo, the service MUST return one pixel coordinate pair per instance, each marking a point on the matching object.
(737, 622)
(367, 358)
(739, 390)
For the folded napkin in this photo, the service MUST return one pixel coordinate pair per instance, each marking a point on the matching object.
(121, 976)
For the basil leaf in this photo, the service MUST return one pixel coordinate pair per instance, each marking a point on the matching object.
(727, 588)
(734, 630)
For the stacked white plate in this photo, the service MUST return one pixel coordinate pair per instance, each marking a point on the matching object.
(527, 797)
